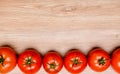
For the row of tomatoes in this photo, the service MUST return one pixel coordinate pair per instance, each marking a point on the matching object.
(74, 61)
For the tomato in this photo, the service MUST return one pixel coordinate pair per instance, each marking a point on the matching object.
(52, 62)
(29, 61)
(75, 61)
(7, 59)
(98, 60)
(115, 61)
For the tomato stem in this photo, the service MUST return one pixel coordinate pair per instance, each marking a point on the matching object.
(53, 65)
(28, 61)
(102, 61)
(76, 61)
(1, 59)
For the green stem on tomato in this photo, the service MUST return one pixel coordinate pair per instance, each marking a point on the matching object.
(53, 65)
(28, 61)
(75, 62)
(1, 59)
(101, 61)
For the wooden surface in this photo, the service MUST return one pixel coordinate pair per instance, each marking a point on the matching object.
(60, 25)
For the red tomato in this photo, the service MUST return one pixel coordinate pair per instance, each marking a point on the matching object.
(115, 62)
(52, 62)
(29, 61)
(75, 61)
(7, 59)
(98, 60)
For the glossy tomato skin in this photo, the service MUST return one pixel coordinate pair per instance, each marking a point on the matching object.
(7, 59)
(98, 60)
(52, 62)
(29, 61)
(115, 60)
(75, 61)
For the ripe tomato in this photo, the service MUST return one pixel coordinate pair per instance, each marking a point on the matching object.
(75, 61)
(98, 60)
(115, 61)
(52, 62)
(29, 61)
(7, 59)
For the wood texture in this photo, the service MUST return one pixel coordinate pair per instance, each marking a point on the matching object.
(60, 25)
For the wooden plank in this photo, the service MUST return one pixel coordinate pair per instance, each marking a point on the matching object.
(73, 14)
(60, 25)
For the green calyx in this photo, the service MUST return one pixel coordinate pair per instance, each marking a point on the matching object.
(52, 65)
(1, 59)
(28, 61)
(102, 61)
(75, 61)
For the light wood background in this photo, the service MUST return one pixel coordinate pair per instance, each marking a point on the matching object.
(60, 25)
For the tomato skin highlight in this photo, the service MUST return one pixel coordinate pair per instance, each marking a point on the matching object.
(75, 61)
(8, 59)
(115, 60)
(30, 61)
(98, 60)
(52, 62)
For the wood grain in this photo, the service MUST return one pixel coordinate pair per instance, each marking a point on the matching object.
(60, 25)
(73, 14)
